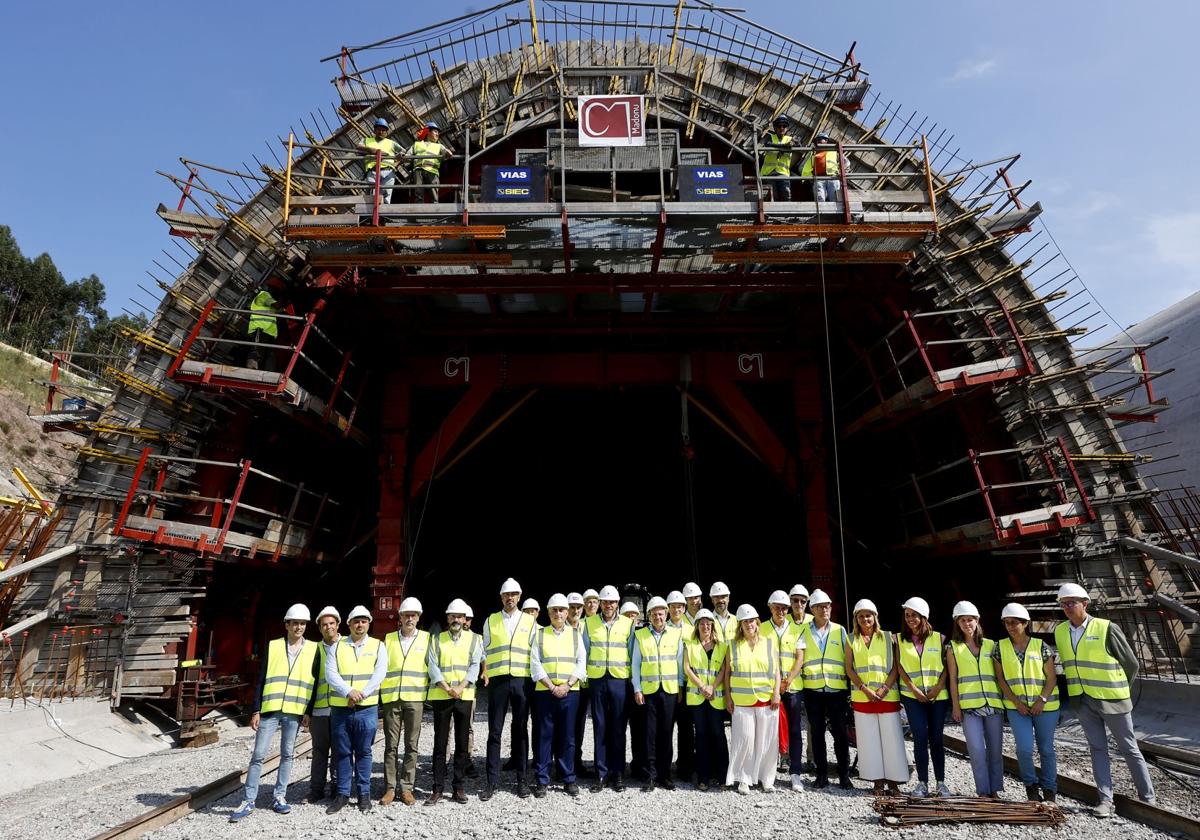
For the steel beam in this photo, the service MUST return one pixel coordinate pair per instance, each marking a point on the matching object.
(812, 257)
(1160, 553)
(335, 233)
(437, 258)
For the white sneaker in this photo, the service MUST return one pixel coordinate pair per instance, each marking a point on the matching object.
(942, 790)
(768, 788)
(797, 782)
(1103, 810)
(920, 790)
(743, 789)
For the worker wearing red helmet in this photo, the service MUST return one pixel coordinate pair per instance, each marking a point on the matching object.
(426, 154)
(825, 166)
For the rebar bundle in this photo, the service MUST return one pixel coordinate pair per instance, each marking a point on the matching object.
(902, 811)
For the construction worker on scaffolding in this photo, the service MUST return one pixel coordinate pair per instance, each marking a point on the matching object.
(355, 672)
(426, 154)
(402, 696)
(777, 160)
(825, 166)
(286, 684)
(262, 326)
(381, 150)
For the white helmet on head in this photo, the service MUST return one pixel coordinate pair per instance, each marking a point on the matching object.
(965, 608)
(609, 593)
(865, 605)
(590, 593)
(746, 612)
(629, 607)
(718, 589)
(779, 597)
(818, 598)
(531, 604)
(510, 585)
(410, 605)
(691, 590)
(704, 612)
(918, 605)
(330, 611)
(573, 599)
(457, 607)
(676, 597)
(469, 613)
(1072, 590)
(557, 600)
(359, 612)
(656, 603)
(297, 612)
(1015, 610)
(799, 589)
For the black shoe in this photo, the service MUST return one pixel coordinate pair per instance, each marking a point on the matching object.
(539, 791)
(315, 796)
(618, 783)
(571, 789)
(597, 786)
(460, 796)
(522, 788)
(1032, 793)
(844, 783)
(435, 796)
(821, 782)
(666, 784)
(486, 793)
(339, 802)
(648, 786)
(364, 803)
(1047, 796)
(472, 771)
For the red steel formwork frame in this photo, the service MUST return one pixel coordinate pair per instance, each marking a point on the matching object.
(964, 379)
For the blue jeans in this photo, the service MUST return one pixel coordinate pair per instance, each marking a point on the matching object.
(353, 732)
(985, 746)
(609, 716)
(268, 724)
(556, 735)
(927, 720)
(1024, 729)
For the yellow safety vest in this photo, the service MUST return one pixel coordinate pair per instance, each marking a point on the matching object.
(608, 647)
(827, 668)
(507, 656)
(454, 660)
(925, 668)
(777, 161)
(724, 632)
(557, 652)
(976, 676)
(407, 674)
(433, 163)
(658, 660)
(264, 302)
(288, 689)
(686, 630)
(356, 669)
(752, 671)
(822, 164)
(705, 665)
(1026, 680)
(873, 663)
(388, 146)
(807, 619)
(787, 651)
(322, 701)
(1089, 668)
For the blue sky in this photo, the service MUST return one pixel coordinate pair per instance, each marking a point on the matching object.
(1098, 98)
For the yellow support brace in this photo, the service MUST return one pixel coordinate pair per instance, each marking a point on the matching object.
(518, 84)
(147, 340)
(142, 387)
(697, 87)
(407, 109)
(43, 504)
(287, 185)
(93, 452)
(451, 108)
(244, 226)
(537, 45)
(675, 33)
(483, 109)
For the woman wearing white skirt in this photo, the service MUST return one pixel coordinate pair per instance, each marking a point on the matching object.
(752, 697)
(873, 675)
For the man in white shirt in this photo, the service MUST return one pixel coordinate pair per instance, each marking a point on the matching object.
(558, 664)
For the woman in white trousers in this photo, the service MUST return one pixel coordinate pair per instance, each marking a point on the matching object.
(752, 696)
(873, 674)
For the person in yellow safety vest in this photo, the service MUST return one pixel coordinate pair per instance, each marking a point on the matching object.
(380, 150)
(1025, 673)
(355, 672)
(559, 665)
(507, 641)
(920, 651)
(704, 667)
(530, 607)
(777, 158)
(402, 697)
(826, 689)
(636, 714)
(798, 596)
(608, 641)
(472, 770)
(693, 603)
(975, 699)
(328, 622)
(262, 327)
(286, 684)
(789, 639)
(872, 671)
(591, 603)
(752, 698)
(576, 614)
(454, 659)
(825, 167)
(657, 676)
(726, 624)
(676, 612)
(426, 156)
(1100, 666)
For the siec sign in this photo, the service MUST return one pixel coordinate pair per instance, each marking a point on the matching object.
(612, 120)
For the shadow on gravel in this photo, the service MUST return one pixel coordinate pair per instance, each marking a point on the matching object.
(153, 800)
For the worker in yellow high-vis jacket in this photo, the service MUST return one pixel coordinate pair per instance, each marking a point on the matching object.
(426, 156)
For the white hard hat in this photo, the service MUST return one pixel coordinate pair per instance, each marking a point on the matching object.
(918, 605)
(746, 612)
(799, 589)
(590, 593)
(510, 585)
(297, 612)
(457, 607)
(704, 613)
(965, 608)
(330, 611)
(655, 603)
(468, 612)
(779, 597)
(410, 605)
(629, 607)
(531, 604)
(865, 604)
(691, 590)
(359, 612)
(609, 593)
(573, 598)
(1072, 590)
(556, 600)
(718, 588)
(1015, 610)
(818, 598)
(676, 597)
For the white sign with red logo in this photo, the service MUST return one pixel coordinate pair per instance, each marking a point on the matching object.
(612, 121)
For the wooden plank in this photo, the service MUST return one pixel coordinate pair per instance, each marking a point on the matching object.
(146, 679)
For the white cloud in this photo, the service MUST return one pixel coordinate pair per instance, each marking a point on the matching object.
(1175, 240)
(1089, 205)
(974, 69)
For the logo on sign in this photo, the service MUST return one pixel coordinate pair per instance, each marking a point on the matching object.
(710, 174)
(612, 121)
(513, 174)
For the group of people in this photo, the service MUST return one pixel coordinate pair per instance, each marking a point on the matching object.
(381, 156)
(694, 669)
(823, 167)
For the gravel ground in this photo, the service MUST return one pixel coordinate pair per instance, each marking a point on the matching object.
(86, 804)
